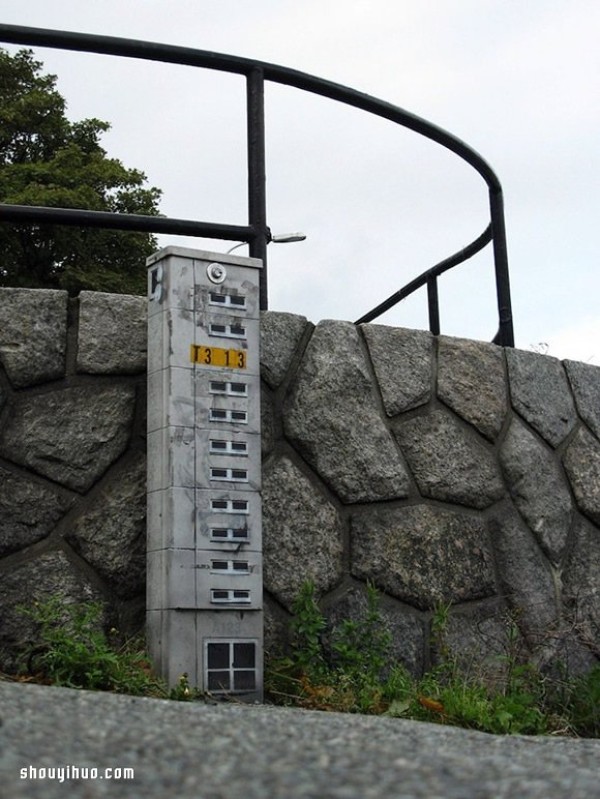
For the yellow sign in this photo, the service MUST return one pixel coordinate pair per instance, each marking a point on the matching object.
(217, 356)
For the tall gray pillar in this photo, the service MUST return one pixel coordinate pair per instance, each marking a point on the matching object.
(204, 595)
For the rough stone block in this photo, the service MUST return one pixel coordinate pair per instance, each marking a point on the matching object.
(267, 422)
(471, 381)
(332, 418)
(581, 588)
(540, 393)
(402, 360)
(111, 534)
(422, 555)
(33, 335)
(276, 629)
(527, 579)
(280, 336)
(112, 333)
(28, 511)
(538, 488)
(71, 435)
(302, 534)
(582, 462)
(448, 462)
(406, 628)
(482, 642)
(585, 382)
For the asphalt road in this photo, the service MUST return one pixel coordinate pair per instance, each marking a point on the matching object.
(231, 751)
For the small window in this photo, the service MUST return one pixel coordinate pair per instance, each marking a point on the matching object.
(217, 595)
(221, 415)
(235, 535)
(229, 475)
(227, 331)
(227, 300)
(220, 447)
(230, 566)
(229, 506)
(222, 596)
(228, 389)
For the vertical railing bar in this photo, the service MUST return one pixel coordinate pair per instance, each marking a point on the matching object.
(506, 333)
(433, 305)
(257, 179)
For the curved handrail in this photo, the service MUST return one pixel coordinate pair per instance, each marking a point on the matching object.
(428, 278)
(257, 233)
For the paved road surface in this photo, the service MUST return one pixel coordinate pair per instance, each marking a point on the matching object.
(180, 750)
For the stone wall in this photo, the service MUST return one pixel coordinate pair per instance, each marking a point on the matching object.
(72, 456)
(442, 470)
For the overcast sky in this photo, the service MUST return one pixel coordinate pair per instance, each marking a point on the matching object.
(515, 79)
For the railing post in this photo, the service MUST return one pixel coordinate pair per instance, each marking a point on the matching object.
(257, 201)
(506, 333)
(433, 305)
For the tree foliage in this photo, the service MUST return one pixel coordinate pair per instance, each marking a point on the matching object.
(47, 160)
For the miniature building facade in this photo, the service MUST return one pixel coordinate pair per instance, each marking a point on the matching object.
(204, 576)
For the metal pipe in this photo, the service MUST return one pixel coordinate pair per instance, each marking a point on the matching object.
(76, 217)
(505, 333)
(433, 305)
(257, 233)
(257, 177)
(443, 266)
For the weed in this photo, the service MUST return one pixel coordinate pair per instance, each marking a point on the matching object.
(359, 677)
(74, 652)
(353, 674)
(585, 704)
(350, 677)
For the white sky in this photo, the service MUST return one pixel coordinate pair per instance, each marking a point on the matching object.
(515, 79)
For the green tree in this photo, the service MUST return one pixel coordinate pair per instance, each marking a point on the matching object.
(47, 160)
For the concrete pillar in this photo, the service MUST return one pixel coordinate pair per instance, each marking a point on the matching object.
(204, 596)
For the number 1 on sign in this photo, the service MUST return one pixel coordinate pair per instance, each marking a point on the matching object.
(217, 356)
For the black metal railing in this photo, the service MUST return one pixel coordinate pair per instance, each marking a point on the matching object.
(256, 233)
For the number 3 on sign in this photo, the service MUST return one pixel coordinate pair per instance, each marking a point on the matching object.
(217, 356)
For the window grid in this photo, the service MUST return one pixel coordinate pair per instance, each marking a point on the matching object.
(230, 666)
